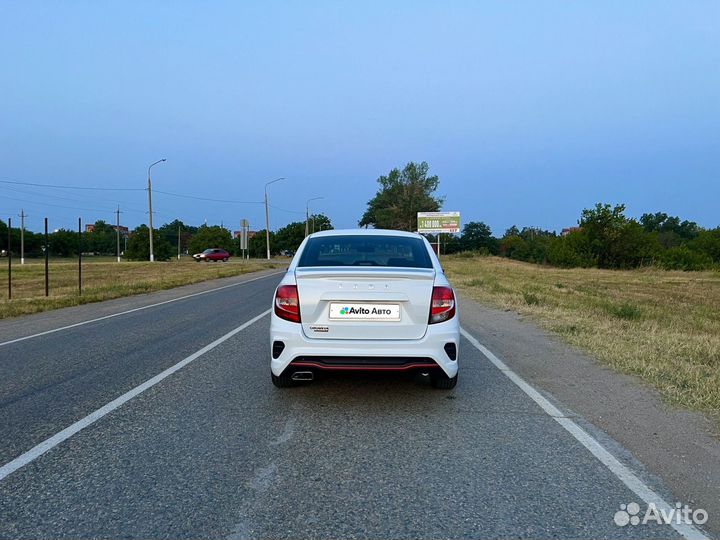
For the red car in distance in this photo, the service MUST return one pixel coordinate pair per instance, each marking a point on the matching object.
(214, 254)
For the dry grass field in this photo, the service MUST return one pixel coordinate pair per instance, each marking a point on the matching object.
(661, 326)
(104, 278)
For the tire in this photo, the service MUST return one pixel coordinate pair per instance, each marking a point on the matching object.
(225, 259)
(283, 381)
(443, 382)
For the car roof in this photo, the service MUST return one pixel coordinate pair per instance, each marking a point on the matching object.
(365, 232)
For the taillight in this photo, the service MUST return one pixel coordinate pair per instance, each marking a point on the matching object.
(287, 303)
(442, 305)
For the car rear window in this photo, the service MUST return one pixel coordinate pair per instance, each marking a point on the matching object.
(365, 250)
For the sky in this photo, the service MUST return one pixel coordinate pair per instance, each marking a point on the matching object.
(527, 111)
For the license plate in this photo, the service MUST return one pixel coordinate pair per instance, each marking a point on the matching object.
(353, 311)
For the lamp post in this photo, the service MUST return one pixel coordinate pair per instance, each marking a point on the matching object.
(152, 255)
(307, 214)
(267, 216)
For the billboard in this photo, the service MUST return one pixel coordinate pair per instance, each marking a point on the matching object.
(438, 222)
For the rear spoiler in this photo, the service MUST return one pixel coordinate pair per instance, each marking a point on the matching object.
(376, 272)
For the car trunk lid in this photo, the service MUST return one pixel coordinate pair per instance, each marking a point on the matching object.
(364, 303)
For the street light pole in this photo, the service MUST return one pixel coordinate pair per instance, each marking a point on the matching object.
(117, 231)
(23, 215)
(152, 254)
(267, 217)
(307, 214)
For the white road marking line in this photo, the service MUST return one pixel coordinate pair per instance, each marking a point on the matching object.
(622, 472)
(137, 309)
(93, 417)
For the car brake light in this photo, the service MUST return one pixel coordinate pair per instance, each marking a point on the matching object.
(442, 305)
(287, 303)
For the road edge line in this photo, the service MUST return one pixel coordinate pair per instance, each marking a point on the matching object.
(133, 310)
(52, 442)
(622, 472)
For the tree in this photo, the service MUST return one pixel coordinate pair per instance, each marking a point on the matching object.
(570, 251)
(402, 194)
(139, 245)
(671, 232)
(708, 244)
(288, 237)
(211, 237)
(319, 222)
(102, 239)
(684, 258)
(477, 236)
(662, 223)
(256, 244)
(633, 247)
(616, 241)
(602, 225)
(291, 236)
(514, 247)
(170, 232)
(64, 243)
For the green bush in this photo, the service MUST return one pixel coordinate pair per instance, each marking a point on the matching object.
(139, 246)
(531, 299)
(210, 237)
(707, 243)
(626, 311)
(570, 251)
(684, 258)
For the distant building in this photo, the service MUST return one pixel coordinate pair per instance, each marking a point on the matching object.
(124, 231)
(569, 230)
(236, 234)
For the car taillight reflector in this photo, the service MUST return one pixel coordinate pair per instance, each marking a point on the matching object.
(287, 303)
(442, 305)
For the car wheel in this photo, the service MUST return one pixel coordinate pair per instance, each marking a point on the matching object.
(283, 381)
(442, 381)
(225, 259)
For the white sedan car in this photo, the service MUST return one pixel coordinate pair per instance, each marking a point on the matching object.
(364, 300)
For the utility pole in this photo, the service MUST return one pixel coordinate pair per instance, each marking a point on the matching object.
(267, 217)
(307, 214)
(9, 258)
(150, 210)
(178, 241)
(47, 255)
(22, 217)
(117, 231)
(80, 248)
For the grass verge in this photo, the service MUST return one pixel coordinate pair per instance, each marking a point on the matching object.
(661, 326)
(104, 279)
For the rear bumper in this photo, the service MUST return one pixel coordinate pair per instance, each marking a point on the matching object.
(425, 354)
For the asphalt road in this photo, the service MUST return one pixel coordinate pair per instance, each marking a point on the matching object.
(214, 450)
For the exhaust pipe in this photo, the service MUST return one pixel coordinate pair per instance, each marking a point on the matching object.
(303, 376)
